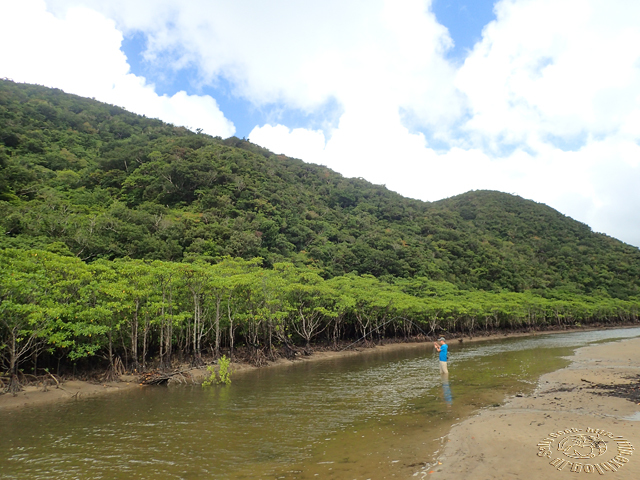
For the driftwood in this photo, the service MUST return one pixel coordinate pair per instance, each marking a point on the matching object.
(160, 378)
(54, 379)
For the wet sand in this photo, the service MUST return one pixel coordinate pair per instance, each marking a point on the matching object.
(561, 430)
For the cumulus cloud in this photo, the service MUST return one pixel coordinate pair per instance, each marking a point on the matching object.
(299, 143)
(79, 52)
(560, 80)
(301, 54)
(554, 68)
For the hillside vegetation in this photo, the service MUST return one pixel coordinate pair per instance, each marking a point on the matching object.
(96, 188)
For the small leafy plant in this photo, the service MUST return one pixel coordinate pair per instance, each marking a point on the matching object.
(223, 372)
(223, 375)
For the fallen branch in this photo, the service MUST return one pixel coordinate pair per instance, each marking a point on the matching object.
(55, 380)
(159, 378)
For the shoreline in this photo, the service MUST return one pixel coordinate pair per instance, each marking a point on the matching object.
(549, 433)
(75, 389)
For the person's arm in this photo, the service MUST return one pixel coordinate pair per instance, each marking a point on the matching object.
(436, 346)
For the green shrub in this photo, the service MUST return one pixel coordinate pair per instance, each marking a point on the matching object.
(223, 375)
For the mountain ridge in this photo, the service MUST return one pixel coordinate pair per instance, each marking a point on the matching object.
(92, 180)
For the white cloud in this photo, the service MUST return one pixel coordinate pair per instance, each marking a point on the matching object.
(372, 143)
(79, 52)
(299, 143)
(301, 54)
(549, 67)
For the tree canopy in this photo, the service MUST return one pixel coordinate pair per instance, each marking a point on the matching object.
(170, 240)
(96, 181)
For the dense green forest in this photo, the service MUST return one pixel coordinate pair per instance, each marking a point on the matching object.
(96, 200)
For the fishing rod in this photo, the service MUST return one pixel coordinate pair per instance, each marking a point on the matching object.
(434, 352)
(415, 325)
(379, 327)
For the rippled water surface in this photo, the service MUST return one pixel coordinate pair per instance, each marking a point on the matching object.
(376, 415)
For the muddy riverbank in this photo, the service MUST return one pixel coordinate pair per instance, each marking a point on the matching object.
(74, 389)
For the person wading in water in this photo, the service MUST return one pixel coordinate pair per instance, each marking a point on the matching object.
(442, 347)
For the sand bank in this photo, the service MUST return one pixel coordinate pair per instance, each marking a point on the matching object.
(67, 391)
(567, 428)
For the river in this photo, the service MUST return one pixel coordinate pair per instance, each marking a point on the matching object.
(382, 414)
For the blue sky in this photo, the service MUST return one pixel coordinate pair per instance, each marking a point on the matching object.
(244, 114)
(540, 98)
(464, 21)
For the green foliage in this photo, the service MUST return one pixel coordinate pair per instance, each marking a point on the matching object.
(125, 236)
(109, 184)
(222, 375)
(54, 303)
(212, 379)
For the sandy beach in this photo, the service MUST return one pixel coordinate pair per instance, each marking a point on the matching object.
(569, 427)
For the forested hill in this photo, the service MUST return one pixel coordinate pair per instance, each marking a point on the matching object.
(86, 179)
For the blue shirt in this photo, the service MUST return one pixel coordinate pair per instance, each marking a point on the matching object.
(443, 352)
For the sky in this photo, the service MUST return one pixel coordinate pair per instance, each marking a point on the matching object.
(432, 98)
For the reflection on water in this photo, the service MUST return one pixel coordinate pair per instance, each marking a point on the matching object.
(374, 415)
(446, 390)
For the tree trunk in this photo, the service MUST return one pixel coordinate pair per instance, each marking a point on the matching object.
(163, 322)
(168, 338)
(230, 331)
(14, 384)
(13, 360)
(110, 336)
(134, 338)
(145, 339)
(216, 351)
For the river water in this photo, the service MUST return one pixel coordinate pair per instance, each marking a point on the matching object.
(371, 416)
